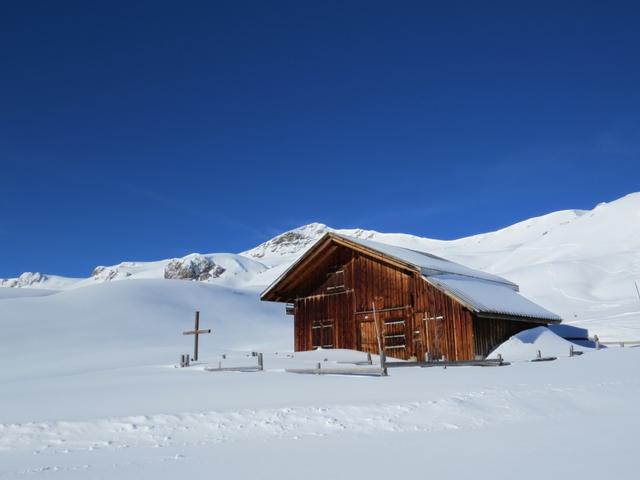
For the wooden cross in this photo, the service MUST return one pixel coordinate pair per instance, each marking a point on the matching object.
(196, 332)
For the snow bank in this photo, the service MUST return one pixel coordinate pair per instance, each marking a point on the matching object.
(525, 345)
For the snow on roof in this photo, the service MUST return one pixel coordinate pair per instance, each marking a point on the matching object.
(429, 264)
(481, 291)
(491, 297)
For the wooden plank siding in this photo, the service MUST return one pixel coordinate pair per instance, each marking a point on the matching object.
(403, 300)
(446, 326)
(335, 294)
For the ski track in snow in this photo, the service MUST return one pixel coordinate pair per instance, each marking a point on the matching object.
(479, 409)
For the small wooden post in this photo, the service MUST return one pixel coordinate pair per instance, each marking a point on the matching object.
(383, 356)
(195, 337)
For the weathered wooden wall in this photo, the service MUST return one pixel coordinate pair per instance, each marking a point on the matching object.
(334, 310)
(414, 317)
(445, 326)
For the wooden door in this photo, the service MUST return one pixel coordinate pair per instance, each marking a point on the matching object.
(368, 341)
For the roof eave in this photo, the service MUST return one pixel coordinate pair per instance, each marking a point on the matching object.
(266, 295)
(517, 318)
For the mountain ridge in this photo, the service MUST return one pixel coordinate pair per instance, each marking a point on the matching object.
(581, 264)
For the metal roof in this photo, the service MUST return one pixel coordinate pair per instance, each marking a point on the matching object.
(491, 297)
(480, 291)
(429, 264)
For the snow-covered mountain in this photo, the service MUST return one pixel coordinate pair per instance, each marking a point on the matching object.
(224, 268)
(580, 264)
(39, 280)
(88, 387)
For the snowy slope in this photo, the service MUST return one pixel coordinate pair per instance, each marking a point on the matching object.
(88, 387)
(39, 280)
(226, 269)
(579, 264)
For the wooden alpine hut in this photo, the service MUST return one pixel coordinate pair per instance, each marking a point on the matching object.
(425, 306)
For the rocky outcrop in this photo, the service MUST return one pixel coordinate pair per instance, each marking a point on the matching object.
(193, 267)
(289, 243)
(27, 279)
(106, 274)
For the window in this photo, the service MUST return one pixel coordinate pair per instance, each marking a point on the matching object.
(335, 280)
(395, 342)
(322, 333)
(394, 333)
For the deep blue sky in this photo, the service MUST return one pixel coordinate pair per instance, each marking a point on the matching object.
(147, 130)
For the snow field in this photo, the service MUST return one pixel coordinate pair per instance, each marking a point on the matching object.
(596, 389)
(88, 387)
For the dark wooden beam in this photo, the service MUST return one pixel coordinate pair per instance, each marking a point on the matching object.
(515, 318)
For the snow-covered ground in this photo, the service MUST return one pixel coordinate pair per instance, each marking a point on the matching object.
(574, 417)
(89, 388)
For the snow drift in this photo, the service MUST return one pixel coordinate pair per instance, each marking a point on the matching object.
(525, 345)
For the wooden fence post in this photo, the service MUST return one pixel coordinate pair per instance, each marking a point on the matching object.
(381, 343)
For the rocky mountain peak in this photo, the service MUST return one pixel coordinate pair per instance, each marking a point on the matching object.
(193, 267)
(289, 243)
